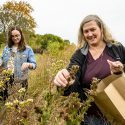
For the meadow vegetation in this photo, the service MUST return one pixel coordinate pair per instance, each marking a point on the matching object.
(41, 104)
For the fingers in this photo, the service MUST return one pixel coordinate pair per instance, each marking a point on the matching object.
(24, 66)
(61, 78)
(115, 64)
(115, 67)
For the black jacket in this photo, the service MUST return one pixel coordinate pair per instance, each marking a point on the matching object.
(116, 51)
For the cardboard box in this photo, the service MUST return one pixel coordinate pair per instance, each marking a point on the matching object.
(111, 98)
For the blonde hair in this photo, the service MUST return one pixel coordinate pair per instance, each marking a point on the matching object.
(107, 37)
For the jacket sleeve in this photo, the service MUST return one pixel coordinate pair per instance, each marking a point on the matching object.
(119, 51)
(76, 59)
(122, 54)
(4, 51)
(31, 58)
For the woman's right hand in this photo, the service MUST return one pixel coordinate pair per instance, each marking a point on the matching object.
(61, 78)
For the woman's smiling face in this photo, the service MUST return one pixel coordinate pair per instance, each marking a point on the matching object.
(92, 33)
(16, 37)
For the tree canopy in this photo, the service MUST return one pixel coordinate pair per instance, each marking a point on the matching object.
(14, 13)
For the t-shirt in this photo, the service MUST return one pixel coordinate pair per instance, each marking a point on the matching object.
(98, 68)
(10, 64)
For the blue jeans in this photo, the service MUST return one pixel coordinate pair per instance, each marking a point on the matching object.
(93, 120)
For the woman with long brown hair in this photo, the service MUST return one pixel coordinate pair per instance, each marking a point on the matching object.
(18, 56)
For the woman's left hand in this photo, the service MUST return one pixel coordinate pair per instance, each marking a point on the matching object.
(25, 66)
(115, 67)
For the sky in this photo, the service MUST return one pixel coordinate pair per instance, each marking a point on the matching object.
(63, 17)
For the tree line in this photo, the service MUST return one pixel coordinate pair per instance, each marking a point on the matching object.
(13, 13)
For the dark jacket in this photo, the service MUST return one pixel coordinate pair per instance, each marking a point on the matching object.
(116, 51)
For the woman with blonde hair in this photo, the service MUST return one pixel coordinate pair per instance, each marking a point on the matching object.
(98, 55)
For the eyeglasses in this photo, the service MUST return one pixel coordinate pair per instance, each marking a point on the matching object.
(13, 36)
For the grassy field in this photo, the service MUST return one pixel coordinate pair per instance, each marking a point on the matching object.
(39, 87)
(42, 104)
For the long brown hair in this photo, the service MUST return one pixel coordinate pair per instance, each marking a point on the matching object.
(107, 37)
(22, 44)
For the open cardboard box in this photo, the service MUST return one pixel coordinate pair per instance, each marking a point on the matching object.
(111, 98)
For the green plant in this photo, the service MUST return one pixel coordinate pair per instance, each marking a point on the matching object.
(18, 108)
(64, 110)
(5, 82)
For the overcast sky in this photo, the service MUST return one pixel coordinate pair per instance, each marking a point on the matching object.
(63, 17)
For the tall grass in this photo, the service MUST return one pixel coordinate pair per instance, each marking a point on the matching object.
(40, 80)
(49, 107)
